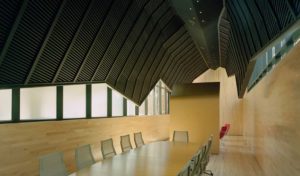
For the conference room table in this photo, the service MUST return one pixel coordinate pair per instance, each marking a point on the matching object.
(163, 158)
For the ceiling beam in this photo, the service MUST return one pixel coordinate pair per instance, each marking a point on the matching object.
(83, 20)
(44, 43)
(13, 30)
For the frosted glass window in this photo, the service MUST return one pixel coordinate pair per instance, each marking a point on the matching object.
(117, 104)
(163, 101)
(168, 103)
(5, 104)
(38, 103)
(156, 100)
(142, 109)
(130, 108)
(150, 99)
(99, 100)
(74, 101)
(273, 51)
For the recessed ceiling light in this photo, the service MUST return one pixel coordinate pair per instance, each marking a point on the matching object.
(200, 12)
(202, 21)
(190, 8)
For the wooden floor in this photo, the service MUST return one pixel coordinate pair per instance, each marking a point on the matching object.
(235, 159)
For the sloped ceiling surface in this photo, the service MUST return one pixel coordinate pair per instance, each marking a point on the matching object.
(246, 27)
(201, 21)
(129, 44)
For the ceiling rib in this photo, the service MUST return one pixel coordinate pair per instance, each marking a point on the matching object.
(13, 30)
(118, 80)
(44, 43)
(72, 42)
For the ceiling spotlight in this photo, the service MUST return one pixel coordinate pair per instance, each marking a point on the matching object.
(202, 21)
(190, 8)
(198, 1)
(200, 12)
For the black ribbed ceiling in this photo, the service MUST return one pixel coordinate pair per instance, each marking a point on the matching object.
(129, 44)
(246, 27)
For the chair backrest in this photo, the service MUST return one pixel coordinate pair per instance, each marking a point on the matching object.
(207, 152)
(125, 143)
(209, 143)
(223, 131)
(181, 136)
(138, 139)
(84, 156)
(194, 164)
(53, 165)
(107, 148)
(185, 171)
(201, 164)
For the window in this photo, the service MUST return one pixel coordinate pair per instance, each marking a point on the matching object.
(163, 101)
(271, 55)
(150, 99)
(157, 100)
(99, 100)
(142, 109)
(130, 108)
(38, 103)
(5, 104)
(74, 101)
(117, 104)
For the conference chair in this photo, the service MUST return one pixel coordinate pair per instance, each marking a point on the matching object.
(193, 165)
(107, 148)
(84, 156)
(185, 171)
(206, 157)
(223, 131)
(181, 136)
(53, 165)
(198, 160)
(138, 139)
(125, 143)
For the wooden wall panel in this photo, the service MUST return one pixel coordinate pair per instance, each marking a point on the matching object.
(269, 116)
(198, 114)
(231, 107)
(208, 76)
(21, 144)
(271, 113)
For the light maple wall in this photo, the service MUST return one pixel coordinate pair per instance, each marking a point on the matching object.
(231, 108)
(197, 113)
(21, 144)
(272, 122)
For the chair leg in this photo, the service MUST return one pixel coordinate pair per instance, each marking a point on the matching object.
(208, 172)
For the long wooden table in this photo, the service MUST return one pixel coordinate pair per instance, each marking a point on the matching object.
(162, 158)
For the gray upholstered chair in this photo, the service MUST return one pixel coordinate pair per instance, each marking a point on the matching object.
(198, 161)
(185, 171)
(107, 148)
(138, 139)
(206, 157)
(53, 165)
(125, 143)
(84, 156)
(181, 136)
